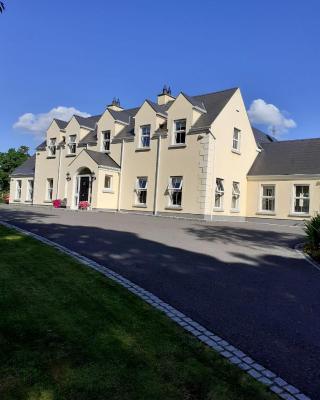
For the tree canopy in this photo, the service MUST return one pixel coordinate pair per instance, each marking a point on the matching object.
(8, 162)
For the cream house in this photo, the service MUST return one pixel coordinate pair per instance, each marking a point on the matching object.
(194, 156)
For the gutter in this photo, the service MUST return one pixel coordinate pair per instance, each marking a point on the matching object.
(120, 180)
(157, 176)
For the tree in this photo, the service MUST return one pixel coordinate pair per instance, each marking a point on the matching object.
(2, 7)
(10, 161)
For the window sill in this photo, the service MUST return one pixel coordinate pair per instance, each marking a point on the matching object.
(303, 215)
(176, 208)
(107, 191)
(218, 209)
(139, 205)
(143, 149)
(236, 151)
(177, 146)
(70, 155)
(50, 157)
(47, 201)
(271, 213)
(28, 201)
(234, 211)
(17, 201)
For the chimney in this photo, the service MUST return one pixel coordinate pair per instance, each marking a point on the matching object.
(165, 96)
(115, 105)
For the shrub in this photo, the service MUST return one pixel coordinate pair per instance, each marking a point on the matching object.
(312, 229)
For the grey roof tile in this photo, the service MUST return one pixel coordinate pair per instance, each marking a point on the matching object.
(90, 138)
(42, 146)
(89, 122)
(262, 137)
(61, 124)
(102, 159)
(27, 168)
(288, 157)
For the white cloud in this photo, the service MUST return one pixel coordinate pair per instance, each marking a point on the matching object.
(37, 124)
(263, 113)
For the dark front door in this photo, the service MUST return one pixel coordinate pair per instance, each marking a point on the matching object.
(84, 188)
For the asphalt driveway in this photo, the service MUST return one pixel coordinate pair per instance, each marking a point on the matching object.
(243, 281)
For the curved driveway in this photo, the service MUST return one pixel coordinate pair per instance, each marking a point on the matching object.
(241, 280)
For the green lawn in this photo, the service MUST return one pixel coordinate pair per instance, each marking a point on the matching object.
(67, 332)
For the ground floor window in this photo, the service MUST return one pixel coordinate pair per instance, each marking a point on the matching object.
(301, 199)
(175, 191)
(235, 200)
(29, 190)
(108, 182)
(219, 193)
(141, 190)
(18, 189)
(268, 194)
(49, 189)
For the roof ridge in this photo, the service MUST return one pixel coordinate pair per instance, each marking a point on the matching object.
(219, 91)
(294, 140)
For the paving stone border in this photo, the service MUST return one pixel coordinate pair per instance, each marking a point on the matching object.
(299, 249)
(276, 384)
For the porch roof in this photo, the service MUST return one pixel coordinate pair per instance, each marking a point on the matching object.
(102, 159)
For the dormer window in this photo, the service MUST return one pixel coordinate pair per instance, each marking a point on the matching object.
(180, 131)
(52, 148)
(106, 135)
(72, 146)
(236, 140)
(145, 136)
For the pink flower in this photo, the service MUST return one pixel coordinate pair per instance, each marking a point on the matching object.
(56, 203)
(83, 205)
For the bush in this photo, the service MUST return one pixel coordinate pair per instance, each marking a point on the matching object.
(312, 229)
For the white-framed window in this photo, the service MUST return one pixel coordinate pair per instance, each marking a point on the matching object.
(180, 131)
(29, 195)
(49, 189)
(106, 136)
(236, 140)
(235, 199)
(72, 146)
(52, 148)
(175, 191)
(18, 189)
(219, 193)
(141, 190)
(107, 182)
(301, 199)
(145, 136)
(268, 198)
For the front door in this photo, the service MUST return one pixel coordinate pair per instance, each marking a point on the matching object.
(84, 188)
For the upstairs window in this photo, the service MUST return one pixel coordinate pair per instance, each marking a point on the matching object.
(18, 190)
(141, 190)
(235, 196)
(29, 190)
(52, 148)
(106, 135)
(49, 189)
(301, 199)
(145, 136)
(180, 131)
(175, 191)
(268, 195)
(72, 146)
(236, 140)
(219, 193)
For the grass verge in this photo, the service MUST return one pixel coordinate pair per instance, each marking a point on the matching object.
(67, 332)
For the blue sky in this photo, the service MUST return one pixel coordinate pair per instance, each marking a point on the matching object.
(79, 54)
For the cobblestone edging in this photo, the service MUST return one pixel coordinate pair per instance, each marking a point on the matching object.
(299, 249)
(276, 384)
